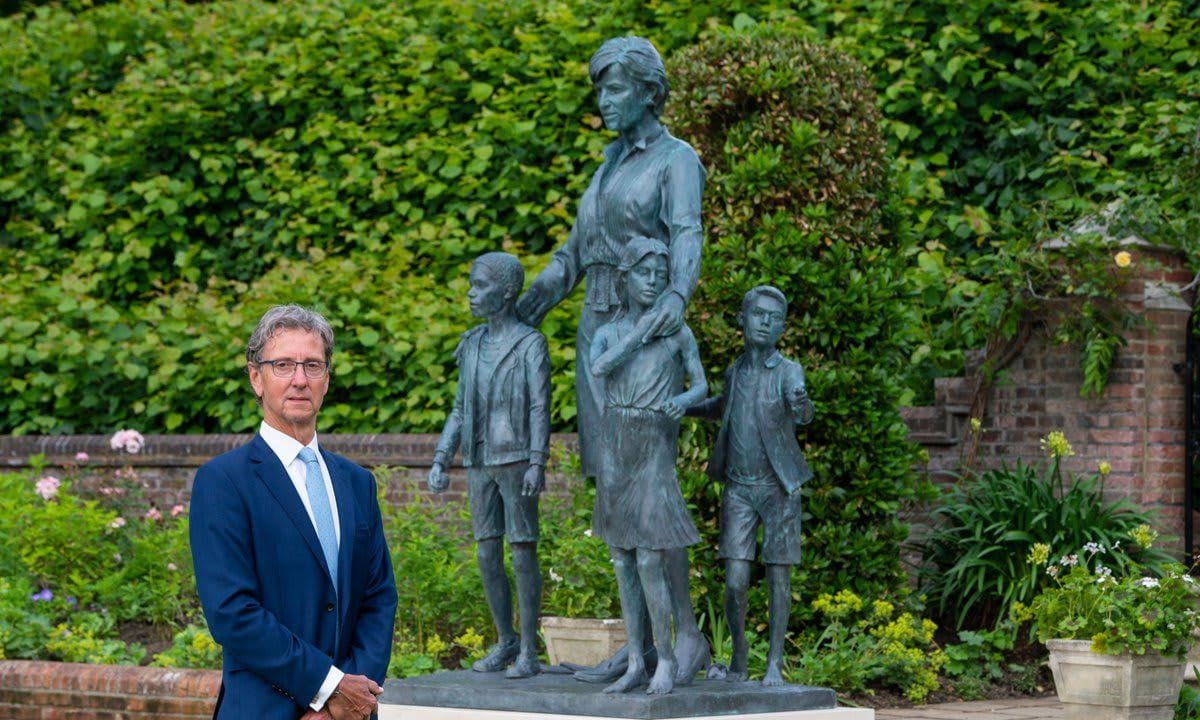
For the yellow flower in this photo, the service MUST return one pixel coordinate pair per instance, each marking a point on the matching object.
(1056, 446)
(882, 609)
(470, 640)
(1143, 535)
(1038, 554)
(435, 646)
(976, 425)
(1104, 468)
(841, 605)
(1123, 259)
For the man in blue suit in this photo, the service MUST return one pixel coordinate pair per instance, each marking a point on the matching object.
(292, 567)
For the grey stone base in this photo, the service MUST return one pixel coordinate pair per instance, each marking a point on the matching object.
(560, 694)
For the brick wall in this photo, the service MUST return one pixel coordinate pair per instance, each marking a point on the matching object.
(167, 464)
(1137, 424)
(68, 691)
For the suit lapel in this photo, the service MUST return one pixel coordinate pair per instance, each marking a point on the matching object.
(272, 474)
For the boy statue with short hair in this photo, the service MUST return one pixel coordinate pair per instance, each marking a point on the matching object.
(501, 418)
(759, 459)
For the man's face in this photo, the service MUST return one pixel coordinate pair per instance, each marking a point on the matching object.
(486, 296)
(646, 280)
(762, 321)
(290, 402)
(622, 100)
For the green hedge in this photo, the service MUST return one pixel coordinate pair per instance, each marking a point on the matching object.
(800, 198)
(168, 170)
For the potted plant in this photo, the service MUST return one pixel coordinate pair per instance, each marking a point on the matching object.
(1116, 639)
(580, 607)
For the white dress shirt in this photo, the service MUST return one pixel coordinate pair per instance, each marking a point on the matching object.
(287, 449)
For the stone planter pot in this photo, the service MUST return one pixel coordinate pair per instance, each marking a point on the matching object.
(583, 641)
(1092, 686)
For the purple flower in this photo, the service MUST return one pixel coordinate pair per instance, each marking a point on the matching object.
(44, 596)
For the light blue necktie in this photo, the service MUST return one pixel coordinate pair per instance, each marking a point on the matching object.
(314, 483)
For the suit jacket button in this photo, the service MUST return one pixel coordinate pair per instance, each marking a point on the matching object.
(329, 607)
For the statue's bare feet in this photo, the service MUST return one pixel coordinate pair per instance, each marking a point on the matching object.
(634, 677)
(774, 675)
(693, 655)
(525, 666)
(663, 681)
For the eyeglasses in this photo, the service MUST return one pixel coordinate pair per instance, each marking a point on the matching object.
(313, 369)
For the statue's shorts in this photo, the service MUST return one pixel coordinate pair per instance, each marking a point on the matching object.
(498, 509)
(744, 507)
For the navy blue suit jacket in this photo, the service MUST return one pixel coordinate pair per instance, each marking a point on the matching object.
(266, 590)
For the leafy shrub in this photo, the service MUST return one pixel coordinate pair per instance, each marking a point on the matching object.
(88, 638)
(799, 197)
(864, 644)
(975, 558)
(192, 647)
(578, 579)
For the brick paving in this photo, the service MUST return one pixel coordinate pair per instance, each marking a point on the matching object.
(1047, 708)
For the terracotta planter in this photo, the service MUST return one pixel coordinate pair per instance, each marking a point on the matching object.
(1092, 686)
(583, 641)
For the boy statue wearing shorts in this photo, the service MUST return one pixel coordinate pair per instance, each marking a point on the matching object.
(760, 462)
(501, 418)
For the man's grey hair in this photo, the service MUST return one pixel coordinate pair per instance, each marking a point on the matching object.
(288, 317)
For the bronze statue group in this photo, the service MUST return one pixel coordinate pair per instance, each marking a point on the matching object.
(637, 239)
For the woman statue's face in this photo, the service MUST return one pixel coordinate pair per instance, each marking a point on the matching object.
(647, 280)
(622, 100)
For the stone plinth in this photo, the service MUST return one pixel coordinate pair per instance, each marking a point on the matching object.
(460, 695)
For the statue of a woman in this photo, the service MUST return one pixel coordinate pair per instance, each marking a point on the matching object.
(639, 510)
(649, 185)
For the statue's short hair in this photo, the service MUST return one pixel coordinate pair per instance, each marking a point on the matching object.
(638, 248)
(765, 291)
(639, 58)
(288, 317)
(507, 269)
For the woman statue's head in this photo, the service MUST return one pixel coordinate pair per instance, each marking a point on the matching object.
(640, 62)
(644, 270)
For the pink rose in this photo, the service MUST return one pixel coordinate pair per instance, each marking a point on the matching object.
(48, 487)
(81, 457)
(130, 441)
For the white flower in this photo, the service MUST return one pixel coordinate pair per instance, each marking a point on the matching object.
(555, 576)
(1148, 582)
(1069, 560)
(1093, 548)
(118, 522)
(130, 441)
(1188, 579)
(1103, 572)
(587, 533)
